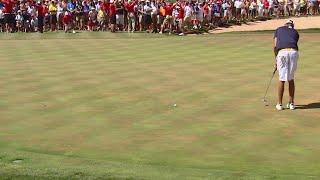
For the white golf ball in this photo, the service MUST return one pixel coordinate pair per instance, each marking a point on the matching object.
(174, 105)
(73, 31)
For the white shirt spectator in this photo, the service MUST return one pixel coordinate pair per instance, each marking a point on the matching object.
(175, 13)
(30, 10)
(154, 9)
(253, 5)
(19, 18)
(238, 4)
(147, 9)
(1, 14)
(200, 14)
(97, 6)
(270, 3)
(188, 11)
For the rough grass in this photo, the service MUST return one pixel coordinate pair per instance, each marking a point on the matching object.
(99, 105)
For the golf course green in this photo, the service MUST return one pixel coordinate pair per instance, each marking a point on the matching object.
(142, 106)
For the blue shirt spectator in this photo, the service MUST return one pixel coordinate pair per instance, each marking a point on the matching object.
(71, 6)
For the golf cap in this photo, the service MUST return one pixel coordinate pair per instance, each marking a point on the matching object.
(289, 21)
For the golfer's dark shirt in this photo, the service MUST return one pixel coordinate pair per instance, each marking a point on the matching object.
(286, 38)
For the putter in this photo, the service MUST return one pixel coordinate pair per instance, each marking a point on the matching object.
(265, 102)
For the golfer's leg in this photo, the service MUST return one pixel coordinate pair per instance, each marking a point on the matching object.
(280, 91)
(292, 68)
(291, 91)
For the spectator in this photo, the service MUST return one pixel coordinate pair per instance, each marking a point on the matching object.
(296, 7)
(53, 15)
(187, 16)
(19, 21)
(92, 19)
(154, 16)
(60, 15)
(168, 17)
(9, 17)
(112, 15)
(101, 18)
(41, 14)
(119, 14)
(2, 24)
(67, 20)
(238, 4)
(226, 9)
(140, 10)
(147, 9)
(130, 7)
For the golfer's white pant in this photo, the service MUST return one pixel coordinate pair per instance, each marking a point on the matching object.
(287, 64)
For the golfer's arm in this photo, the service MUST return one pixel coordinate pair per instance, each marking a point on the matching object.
(275, 47)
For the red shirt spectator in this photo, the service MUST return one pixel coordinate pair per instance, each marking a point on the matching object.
(112, 9)
(106, 7)
(45, 9)
(67, 17)
(8, 6)
(205, 9)
(130, 7)
(40, 10)
(168, 9)
(266, 4)
(181, 13)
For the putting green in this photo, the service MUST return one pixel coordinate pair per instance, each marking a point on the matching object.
(101, 105)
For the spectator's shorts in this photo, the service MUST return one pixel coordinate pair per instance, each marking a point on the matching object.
(53, 19)
(120, 19)
(147, 19)
(187, 19)
(92, 23)
(199, 17)
(287, 60)
(238, 11)
(160, 19)
(225, 13)
(168, 19)
(217, 15)
(243, 12)
(113, 19)
(9, 18)
(131, 16)
(46, 19)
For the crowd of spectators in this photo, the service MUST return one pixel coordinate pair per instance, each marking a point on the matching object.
(154, 16)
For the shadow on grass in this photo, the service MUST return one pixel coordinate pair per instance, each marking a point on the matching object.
(309, 106)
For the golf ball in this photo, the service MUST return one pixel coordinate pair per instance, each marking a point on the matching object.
(174, 105)
(73, 31)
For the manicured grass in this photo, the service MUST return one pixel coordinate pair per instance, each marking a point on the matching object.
(99, 105)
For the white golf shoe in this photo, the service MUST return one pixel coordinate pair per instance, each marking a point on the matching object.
(291, 106)
(279, 107)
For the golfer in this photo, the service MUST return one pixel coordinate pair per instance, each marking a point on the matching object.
(286, 51)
